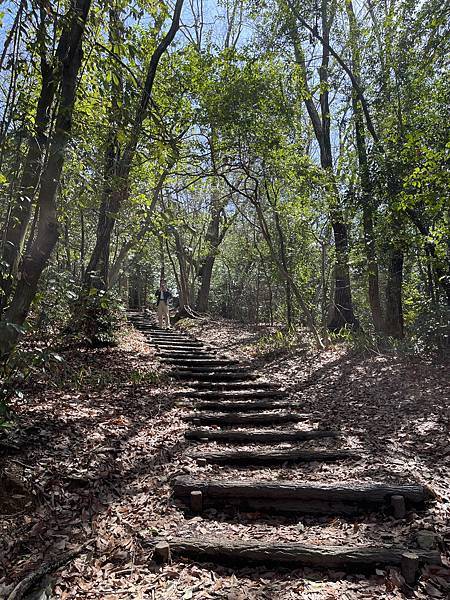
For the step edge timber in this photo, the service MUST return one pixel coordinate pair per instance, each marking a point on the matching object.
(198, 362)
(216, 376)
(179, 347)
(290, 553)
(176, 354)
(222, 368)
(248, 417)
(258, 436)
(239, 406)
(272, 456)
(286, 490)
(266, 384)
(232, 393)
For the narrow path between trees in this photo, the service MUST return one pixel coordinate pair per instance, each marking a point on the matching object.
(267, 470)
(239, 421)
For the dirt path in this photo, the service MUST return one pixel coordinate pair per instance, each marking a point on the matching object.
(103, 462)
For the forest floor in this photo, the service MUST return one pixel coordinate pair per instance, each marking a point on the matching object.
(99, 439)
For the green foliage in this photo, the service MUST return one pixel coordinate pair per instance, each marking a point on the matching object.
(283, 342)
(228, 130)
(430, 329)
(97, 318)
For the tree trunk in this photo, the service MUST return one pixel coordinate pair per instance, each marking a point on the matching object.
(183, 279)
(69, 55)
(19, 217)
(394, 309)
(342, 310)
(372, 268)
(118, 164)
(201, 303)
(213, 239)
(364, 176)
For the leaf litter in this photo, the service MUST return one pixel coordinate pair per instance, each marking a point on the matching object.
(95, 457)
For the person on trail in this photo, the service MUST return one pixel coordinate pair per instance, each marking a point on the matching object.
(163, 295)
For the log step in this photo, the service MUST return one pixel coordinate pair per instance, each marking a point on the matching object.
(201, 355)
(220, 368)
(169, 334)
(198, 362)
(244, 419)
(257, 436)
(212, 375)
(234, 395)
(264, 457)
(180, 346)
(232, 386)
(285, 497)
(172, 339)
(248, 405)
(180, 349)
(349, 558)
(156, 331)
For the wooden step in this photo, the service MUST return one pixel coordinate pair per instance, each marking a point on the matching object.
(236, 386)
(176, 354)
(171, 331)
(180, 346)
(171, 338)
(233, 395)
(244, 406)
(257, 436)
(206, 368)
(199, 362)
(211, 375)
(176, 345)
(246, 419)
(350, 558)
(286, 497)
(264, 457)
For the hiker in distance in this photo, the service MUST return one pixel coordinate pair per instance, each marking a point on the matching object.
(163, 295)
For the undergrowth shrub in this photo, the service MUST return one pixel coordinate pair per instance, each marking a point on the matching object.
(97, 318)
(430, 330)
(282, 341)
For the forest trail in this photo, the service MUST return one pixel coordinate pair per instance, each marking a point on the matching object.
(111, 456)
(240, 419)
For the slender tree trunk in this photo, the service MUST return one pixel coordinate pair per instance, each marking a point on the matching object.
(323, 278)
(202, 301)
(342, 314)
(372, 269)
(70, 57)
(364, 175)
(285, 263)
(183, 278)
(82, 244)
(119, 164)
(394, 308)
(20, 214)
(114, 271)
(342, 309)
(115, 175)
(213, 240)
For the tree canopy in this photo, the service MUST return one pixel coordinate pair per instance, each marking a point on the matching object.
(276, 161)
